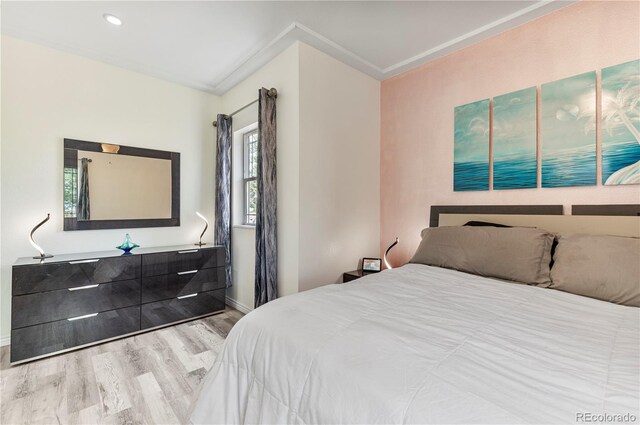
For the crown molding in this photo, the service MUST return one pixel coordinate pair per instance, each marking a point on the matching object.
(469, 38)
(292, 33)
(299, 32)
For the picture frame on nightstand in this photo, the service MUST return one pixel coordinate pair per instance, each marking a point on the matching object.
(371, 264)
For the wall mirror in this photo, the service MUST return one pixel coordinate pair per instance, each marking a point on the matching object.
(110, 186)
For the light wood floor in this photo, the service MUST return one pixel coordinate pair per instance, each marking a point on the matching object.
(150, 378)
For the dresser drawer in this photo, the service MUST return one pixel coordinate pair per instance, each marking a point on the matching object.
(157, 288)
(176, 309)
(182, 261)
(33, 309)
(50, 337)
(50, 276)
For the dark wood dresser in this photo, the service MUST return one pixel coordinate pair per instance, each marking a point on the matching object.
(70, 301)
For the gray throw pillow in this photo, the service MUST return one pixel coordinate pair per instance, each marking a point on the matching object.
(602, 267)
(520, 254)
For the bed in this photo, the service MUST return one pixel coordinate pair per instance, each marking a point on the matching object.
(423, 344)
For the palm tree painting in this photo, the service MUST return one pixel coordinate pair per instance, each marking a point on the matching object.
(471, 146)
(568, 137)
(514, 140)
(621, 124)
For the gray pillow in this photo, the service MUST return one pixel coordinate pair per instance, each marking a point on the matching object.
(602, 267)
(520, 254)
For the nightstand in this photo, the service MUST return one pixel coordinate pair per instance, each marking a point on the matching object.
(353, 275)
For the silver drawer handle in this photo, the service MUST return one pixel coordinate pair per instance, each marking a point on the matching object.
(95, 260)
(86, 316)
(188, 296)
(188, 272)
(79, 288)
(191, 251)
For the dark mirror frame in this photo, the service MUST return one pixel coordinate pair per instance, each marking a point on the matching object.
(71, 148)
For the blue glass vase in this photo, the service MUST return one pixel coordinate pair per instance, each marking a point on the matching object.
(128, 244)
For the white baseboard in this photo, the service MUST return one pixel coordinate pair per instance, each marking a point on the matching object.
(240, 307)
(5, 340)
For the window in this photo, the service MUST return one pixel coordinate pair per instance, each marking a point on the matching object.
(70, 191)
(250, 149)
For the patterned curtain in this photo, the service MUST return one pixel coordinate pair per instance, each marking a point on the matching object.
(84, 205)
(266, 242)
(222, 225)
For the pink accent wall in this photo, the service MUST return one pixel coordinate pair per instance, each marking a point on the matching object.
(417, 111)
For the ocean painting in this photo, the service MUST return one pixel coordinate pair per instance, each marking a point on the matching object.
(514, 140)
(471, 147)
(621, 124)
(568, 131)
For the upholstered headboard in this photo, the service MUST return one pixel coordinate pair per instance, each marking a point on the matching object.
(436, 210)
(610, 209)
(600, 221)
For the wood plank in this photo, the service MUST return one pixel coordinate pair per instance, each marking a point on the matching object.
(81, 388)
(114, 395)
(186, 359)
(88, 415)
(182, 407)
(12, 412)
(158, 406)
(148, 378)
(49, 400)
(170, 374)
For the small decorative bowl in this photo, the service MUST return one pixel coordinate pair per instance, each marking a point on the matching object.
(128, 244)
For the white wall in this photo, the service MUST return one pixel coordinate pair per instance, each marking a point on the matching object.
(282, 73)
(48, 95)
(328, 157)
(328, 170)
(339, 168)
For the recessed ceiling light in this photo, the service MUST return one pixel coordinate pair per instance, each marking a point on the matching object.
(112, 19)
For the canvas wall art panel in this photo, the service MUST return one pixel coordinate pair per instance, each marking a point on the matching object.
(568, 131)
(514, 140)
(471, 147)
(621, 124)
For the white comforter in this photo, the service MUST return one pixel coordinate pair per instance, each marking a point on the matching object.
(421, 344)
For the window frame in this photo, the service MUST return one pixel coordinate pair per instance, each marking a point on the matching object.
(70, 192)
(246, 177)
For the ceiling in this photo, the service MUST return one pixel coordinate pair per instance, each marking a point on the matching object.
(212, 46)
